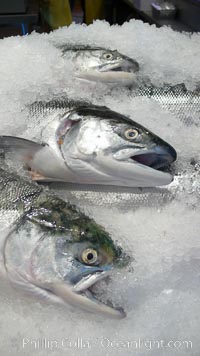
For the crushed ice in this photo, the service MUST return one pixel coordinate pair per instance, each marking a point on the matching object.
(161, 291)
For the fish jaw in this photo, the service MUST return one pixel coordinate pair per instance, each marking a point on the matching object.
(80, 295)
(102, 170)
(63, 293)
(133, 174)
(109, 77)
(143, 167)
(156, 158)
(87, 302)
(87, 281)
(127, 65)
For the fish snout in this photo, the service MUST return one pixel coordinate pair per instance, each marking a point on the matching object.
(87, 276)
(130, 65)
(170, 153)
(162, 156)
(158, 157)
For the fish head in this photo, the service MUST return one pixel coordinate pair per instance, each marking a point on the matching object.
(100, 64)
(88, 255)
(105, 147)
(60, 253)
(90, 144)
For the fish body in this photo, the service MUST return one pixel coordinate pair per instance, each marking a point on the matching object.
(50, 249)
(100, 64)
(131, 199)
(89, 144)
(184, 103)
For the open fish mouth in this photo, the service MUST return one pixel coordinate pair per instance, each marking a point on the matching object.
(149, 167)
(159, 158)
(120, 69)
(123, 72)
(128, 66)
(84, 288)
(82, 295)
(151, 160)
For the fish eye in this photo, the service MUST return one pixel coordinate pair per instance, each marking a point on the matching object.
(131, 134)
(89, 256)
(108, 55)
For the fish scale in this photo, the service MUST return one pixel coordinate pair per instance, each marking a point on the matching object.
(115, 197)
(185, 104)
(14, 190)
(60, 105)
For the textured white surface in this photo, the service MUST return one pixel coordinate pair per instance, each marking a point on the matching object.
(161, 293)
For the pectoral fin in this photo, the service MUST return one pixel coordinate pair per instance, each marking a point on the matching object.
(18, 148)
(40, 159)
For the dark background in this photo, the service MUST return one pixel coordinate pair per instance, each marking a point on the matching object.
(19, 17)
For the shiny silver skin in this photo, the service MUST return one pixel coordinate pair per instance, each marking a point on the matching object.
(97, 149)
(185, 184)
(51, 250)
(184, 103)
(88, 144)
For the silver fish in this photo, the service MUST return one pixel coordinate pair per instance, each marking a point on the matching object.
(87, 144)
(50, 249)
(101, 64)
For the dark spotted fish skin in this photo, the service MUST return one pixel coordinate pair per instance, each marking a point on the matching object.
(59, 105)
(16, 193)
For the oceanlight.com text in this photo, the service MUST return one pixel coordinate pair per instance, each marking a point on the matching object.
(103, 343)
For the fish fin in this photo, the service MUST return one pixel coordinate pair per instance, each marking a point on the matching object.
(36, 176)
(41, 161)
(19, 149)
